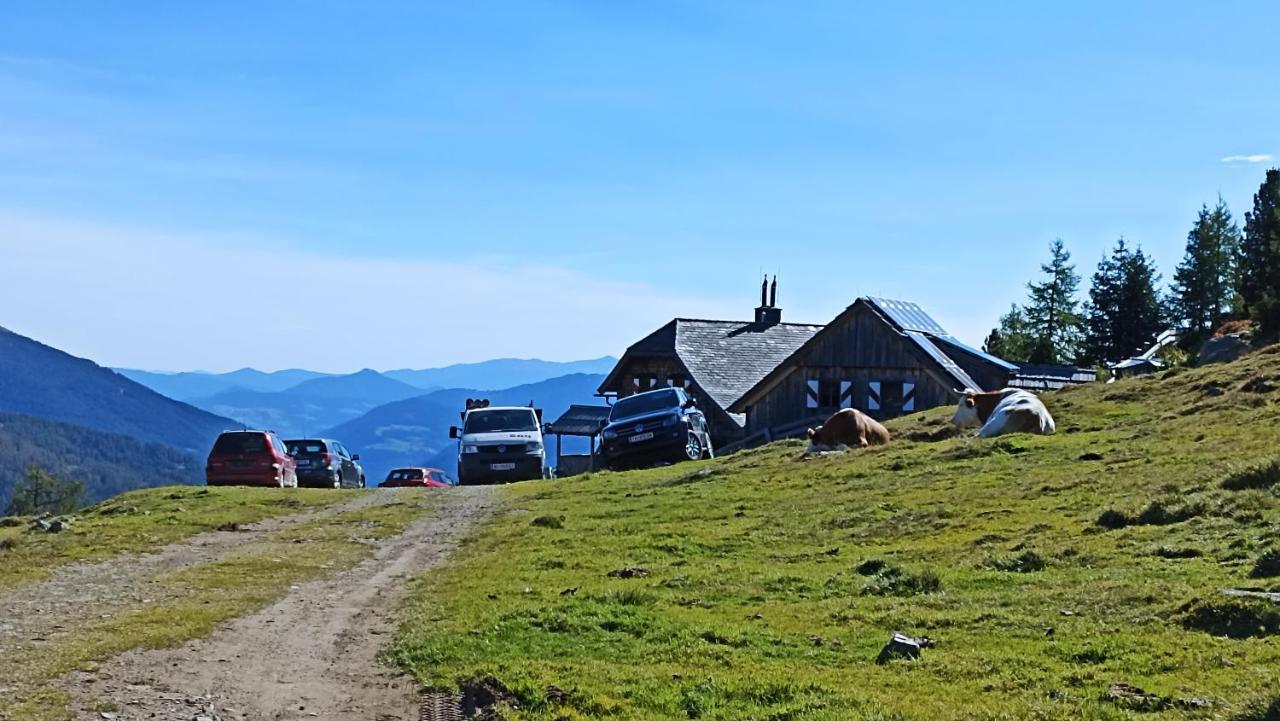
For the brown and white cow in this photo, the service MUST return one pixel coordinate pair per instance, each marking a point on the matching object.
(847, 428)
(1011, 410)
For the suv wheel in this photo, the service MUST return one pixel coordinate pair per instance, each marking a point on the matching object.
(693, 447)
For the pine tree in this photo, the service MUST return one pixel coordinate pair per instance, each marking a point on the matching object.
(1204, 285)
(1141, 313)
(1260, 256)
(1102, 308)
(1053, 321)
(1010, 340)
(41, 491)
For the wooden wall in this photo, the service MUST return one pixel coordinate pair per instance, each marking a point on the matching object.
(859, 348)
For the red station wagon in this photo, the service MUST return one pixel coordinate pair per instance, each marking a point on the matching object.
(416, 478)
(250, 458)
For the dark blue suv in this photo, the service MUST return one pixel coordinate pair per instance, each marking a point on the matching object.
(653, 427)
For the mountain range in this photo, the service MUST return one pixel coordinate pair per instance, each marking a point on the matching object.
(311, 405)
(118, 430)
(491, 374)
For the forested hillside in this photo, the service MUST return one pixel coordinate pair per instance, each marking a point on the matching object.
(107, 463)
(41, 381)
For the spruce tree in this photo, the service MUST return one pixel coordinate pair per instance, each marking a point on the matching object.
(1140, 316)
(1053, 322)
(1101, 309)
(1010, 340)
(1260, 256)
(1203, 293)
(41, 491)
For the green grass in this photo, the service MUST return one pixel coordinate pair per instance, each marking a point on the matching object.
(200, 598)
(144, 520)
(759, 601)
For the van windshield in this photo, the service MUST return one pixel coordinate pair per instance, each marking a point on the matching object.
(643, 403)
(501, 419)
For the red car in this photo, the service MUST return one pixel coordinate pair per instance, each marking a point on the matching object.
(250, 458)
(416, 478)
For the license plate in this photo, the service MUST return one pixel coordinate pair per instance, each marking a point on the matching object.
(640, 437)
(502, 467)
(304, 462)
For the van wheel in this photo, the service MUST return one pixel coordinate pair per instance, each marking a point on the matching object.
(693, 447)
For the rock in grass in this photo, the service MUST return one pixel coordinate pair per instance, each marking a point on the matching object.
(902, 646)
(629, 572)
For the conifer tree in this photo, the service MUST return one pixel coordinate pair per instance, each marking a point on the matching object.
(1053, 321)
(1260, 256)
(1203, 294)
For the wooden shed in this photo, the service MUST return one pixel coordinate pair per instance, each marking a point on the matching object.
(883, 357)
(715, 361)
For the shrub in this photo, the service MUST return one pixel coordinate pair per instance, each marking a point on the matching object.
(1026, 562)
(1267, 565)
(893, 581)
(1234, 618)
(1262, 709)
(1158, 514)
(871, 567)
(1259, 475)
(1113, 519)
(548, 522)
(1175, 552)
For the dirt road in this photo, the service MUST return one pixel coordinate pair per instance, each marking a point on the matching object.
(314, 654)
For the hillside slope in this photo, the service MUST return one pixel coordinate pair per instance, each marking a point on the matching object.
(107, 463)
(416, 431)
(41, 381)
(764, 584)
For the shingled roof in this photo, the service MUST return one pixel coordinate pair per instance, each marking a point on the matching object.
(725, 358)
(581, 420)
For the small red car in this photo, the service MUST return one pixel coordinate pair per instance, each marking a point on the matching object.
(250, 458)
(416, 478)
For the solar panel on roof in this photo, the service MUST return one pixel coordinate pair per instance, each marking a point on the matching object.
(947, 364)
(908, 316)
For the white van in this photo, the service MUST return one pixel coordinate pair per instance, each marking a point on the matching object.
(499, 444)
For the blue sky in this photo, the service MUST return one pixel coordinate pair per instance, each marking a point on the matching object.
(214, 185)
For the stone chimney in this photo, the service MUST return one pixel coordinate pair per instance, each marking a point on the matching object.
(768, 314)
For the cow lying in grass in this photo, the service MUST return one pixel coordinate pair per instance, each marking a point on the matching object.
(1011, 410)
(847, 428)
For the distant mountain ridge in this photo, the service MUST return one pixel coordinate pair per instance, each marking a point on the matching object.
(501, 373)
(311, 405)
(186, 385)
(41, 381)
(490, 374)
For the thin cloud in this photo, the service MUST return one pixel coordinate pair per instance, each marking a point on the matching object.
(130, 297)
(1256, 158)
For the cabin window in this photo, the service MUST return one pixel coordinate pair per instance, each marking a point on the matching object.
(646, 382)
(891, 398)
(829, 393)
(677, 381)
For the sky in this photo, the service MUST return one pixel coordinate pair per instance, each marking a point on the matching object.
(340, 185)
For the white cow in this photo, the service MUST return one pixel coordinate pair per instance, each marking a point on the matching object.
(1011, 410)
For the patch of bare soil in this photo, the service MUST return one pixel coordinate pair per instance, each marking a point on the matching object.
(314, 654)
(35, 612)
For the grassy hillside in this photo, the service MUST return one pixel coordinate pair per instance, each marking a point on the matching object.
(144, 520)
(763, 585)
(107, 463)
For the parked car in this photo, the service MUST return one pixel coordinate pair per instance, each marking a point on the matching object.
(325, 463)
(499, 444)
(250, 458)
(416, 478)
(653, 427)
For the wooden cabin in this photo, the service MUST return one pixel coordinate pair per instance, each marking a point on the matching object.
(883, 357)
(715, 361)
